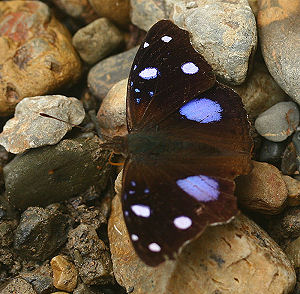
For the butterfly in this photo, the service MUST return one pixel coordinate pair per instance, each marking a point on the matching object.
(188, 138)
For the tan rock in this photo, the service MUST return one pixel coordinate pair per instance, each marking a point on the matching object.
(64, 273)
(235, 258)
(293, 187)
(17, 286)
(262, 190)
(36, 53)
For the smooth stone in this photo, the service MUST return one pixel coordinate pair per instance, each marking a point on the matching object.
(37, 56)
(80, 9)
(278, 122)
(97, 40)
(28, 129)
(271, 152)
(293, 252)
(293, 187)
(41, 232)
(64, 273)
(90, 255)
(55, 173)
(108, 72)
(279, 30)
(238, 257)
(262, 190)
(259, 92)
(115, 10)
(17, 286)
(112, 112)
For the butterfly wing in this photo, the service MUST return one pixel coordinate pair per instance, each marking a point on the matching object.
(166, 73)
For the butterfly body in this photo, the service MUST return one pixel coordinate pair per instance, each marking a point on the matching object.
(188, 138)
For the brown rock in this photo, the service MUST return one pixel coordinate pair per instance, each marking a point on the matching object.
(115, 10)
(293, 187)
(262, 190)
(279, 30)
(97, 40)
(234, 258)
(36, 53)
(112, 113)
(64, 273)
(17, 286)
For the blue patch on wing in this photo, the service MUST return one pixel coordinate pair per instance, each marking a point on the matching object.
(202, 188)
(202, 110)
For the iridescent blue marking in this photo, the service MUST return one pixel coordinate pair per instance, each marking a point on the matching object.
(137, 90)
(138, 100)
(131, 84)
(146, 191)
(202, 110)
(133, 183)
(125, 196)
(151, 93)
(134, 68)
(202, 188)
(131, 192)
(149, 73)
(126, 213)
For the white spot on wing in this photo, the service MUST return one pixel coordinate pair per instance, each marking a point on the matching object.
(134, 237)
(154, 247)
(182, 222)
(146, 44)
(189, 68)
(166, 39)
(149, 73)
(141, 210)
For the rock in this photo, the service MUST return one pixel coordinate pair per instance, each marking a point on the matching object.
(238, 257)
(64, 273)
(279, 28)
(41, 232)
(97, 40)
(263, 190)
(82, 289)
(80, 9)
(37, 54)
(290, 223)
(55, 173)
(271, 152)
(90, 255)
(112, 112)
(293, 187)
(278, 122)
(6, 232)
(115, 10)
(17, 286)
(110, 71)
(290, 161)
(293, 252)
(28, 129)
(223, 32)
(259, 92)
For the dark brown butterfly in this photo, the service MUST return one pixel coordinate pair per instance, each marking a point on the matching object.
(188, 139)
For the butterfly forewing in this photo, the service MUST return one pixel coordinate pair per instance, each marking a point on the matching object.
(166, 72)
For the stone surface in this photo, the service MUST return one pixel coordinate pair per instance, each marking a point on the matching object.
(41, 232)
(263, 190)
(55, 173)
(90, 255)
(259, 92)
(64, 273)
(110, 71)
(291, 222)
(36, 53)
(97, 40)
(271, 152)
(278, 122)
(17, 286)
(293, 252)
(235, 258)
(279, 30)
(293, 187)
(115, 10)
(112, 112)
(28, 129)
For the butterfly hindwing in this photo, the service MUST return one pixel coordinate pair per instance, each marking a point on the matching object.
(166, 72)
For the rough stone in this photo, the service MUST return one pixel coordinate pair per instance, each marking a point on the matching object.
(17, 286)
(64, 273)
(55, 173)
(238, 257)
(41, 232)
(28, 129)
(293, 187)
(293, 252)
(279, 30)
(278, 122)
(112, 112)
(37, 56)
(263, 190)
(108, 72)
(97, 40)
(271, 152)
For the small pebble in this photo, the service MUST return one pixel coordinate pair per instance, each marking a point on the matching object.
(278, 122)
(271, 152)
(293, 252)
(293, 187)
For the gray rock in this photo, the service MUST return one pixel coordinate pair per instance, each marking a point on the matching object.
(110, 71)
(278, 122)
(97, 40)
(28, 129)
(55, 173)
(41, 232)
(17, 286)
(279, 31)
